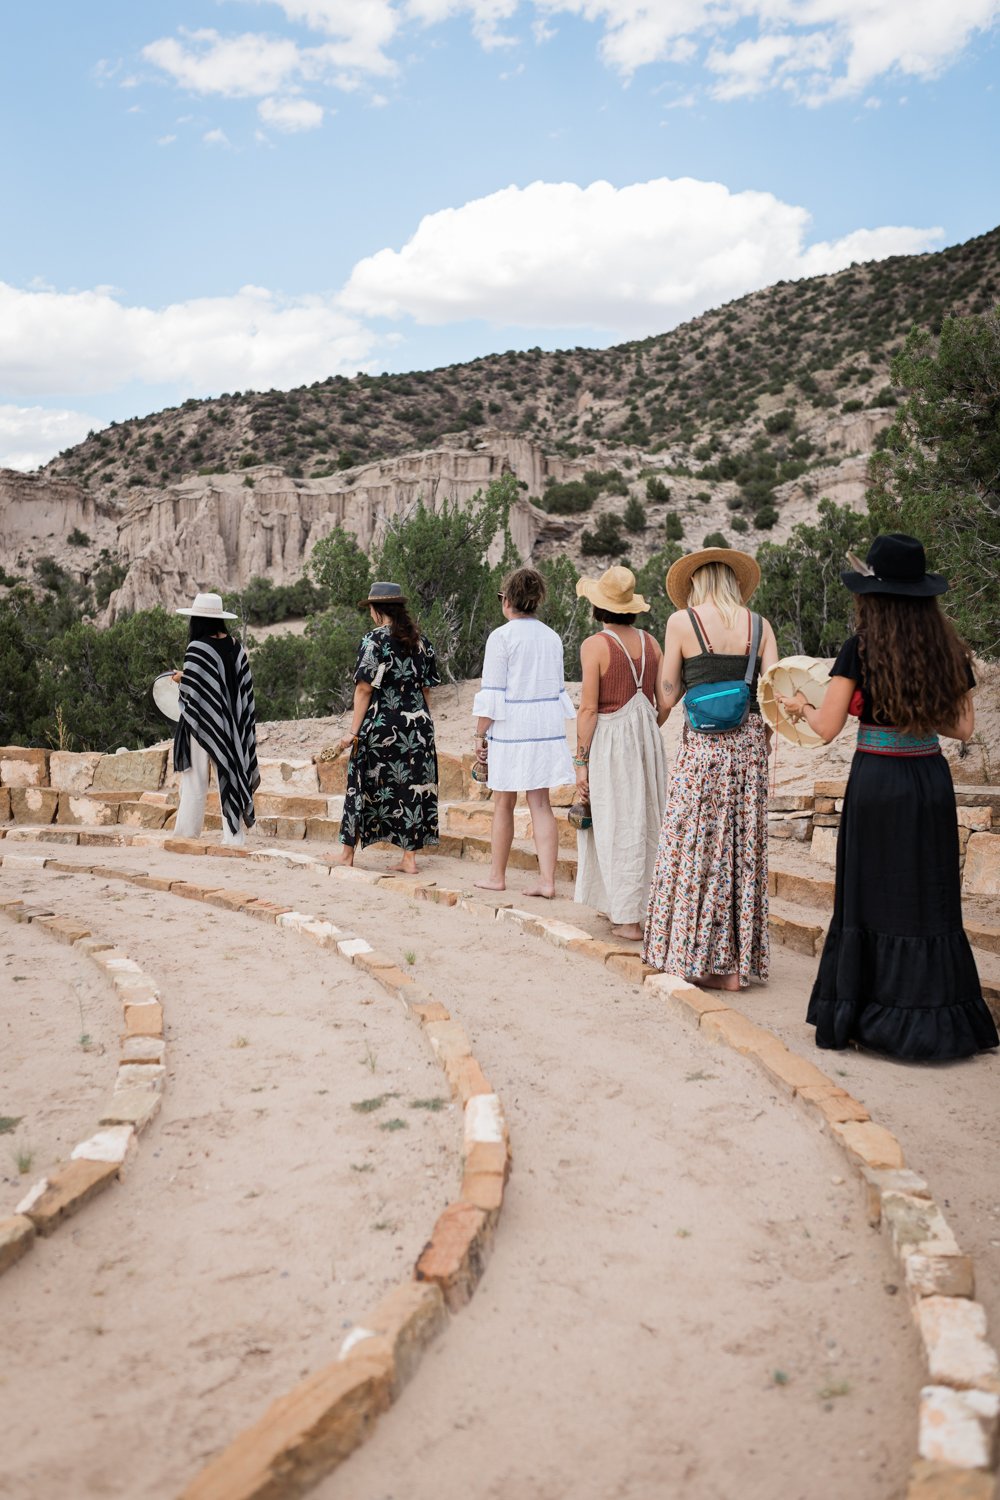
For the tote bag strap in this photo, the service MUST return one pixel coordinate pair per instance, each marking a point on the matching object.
(636, 676)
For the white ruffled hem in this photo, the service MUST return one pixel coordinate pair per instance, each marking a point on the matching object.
(567, 705)
(490, 703)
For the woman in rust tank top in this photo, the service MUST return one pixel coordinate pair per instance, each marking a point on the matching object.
(621, 767)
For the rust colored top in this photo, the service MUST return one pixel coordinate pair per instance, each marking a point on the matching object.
(618, 684)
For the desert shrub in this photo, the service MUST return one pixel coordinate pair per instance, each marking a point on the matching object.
(739, 524)
(765, 518)
(853, 405)
(340, 569)
(715, 539)
(656, 489)
(780, 421)
(78, 538)
(605, 540)
(673, 527)
(634, 515)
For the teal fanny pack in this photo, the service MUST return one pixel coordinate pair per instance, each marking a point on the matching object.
(718, 707)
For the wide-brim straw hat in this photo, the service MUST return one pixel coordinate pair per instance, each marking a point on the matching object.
(383, 593)
(793, 674)
(208, 607)
(743, 565)
(614, 591)
(896, 564)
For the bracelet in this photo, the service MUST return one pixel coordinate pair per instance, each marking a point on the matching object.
(581, 760)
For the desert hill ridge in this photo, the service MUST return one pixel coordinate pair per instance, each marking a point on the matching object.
(745, 416)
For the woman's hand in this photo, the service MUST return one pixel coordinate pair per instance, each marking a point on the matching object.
(175, 676)
(347, 742)
(794, 707)
(583, 782)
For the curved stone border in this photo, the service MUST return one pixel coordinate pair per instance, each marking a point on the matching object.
(305, 1434)
(136, 1097)
(959, 1416)
(959, 1412)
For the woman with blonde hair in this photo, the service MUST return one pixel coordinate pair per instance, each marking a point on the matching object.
(621, 767)
(707, 916)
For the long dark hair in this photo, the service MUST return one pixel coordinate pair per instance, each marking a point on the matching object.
(916, 664)
(200, 628)
(401, 626)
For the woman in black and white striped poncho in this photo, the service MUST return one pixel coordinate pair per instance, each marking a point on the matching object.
(218, 724)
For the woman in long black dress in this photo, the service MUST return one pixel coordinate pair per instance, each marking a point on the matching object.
(897, 972)
(392, 777)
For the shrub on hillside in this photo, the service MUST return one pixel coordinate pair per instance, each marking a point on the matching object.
(801, 592)
(605, 540)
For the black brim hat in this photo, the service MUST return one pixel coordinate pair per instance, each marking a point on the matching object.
(896, 564)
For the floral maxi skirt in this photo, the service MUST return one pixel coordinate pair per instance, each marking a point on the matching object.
(708, 901)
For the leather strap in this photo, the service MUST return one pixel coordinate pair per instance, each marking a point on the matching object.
(637, 677)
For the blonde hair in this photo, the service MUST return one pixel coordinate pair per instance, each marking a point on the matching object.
(716, 583)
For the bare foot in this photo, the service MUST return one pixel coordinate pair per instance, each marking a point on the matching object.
(546, 892)
(489, 885)
(718, 982)
(631, 932)
(345, 859)
(405, 868)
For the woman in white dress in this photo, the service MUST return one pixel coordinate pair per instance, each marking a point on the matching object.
(521, 709)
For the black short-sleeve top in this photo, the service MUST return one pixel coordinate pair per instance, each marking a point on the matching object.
(850, 665)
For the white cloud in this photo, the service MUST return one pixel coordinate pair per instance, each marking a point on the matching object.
(291, 114)
(54, 343)
(165, 140)
(816, 50)
(216, 137)
(31, 435)
(630, 260)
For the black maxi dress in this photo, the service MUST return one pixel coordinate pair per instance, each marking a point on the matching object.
(897, 973)
(392, 777)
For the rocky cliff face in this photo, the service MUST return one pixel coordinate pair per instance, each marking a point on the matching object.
(221, 530)
(38, 513)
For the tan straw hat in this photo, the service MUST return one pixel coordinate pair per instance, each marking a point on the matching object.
(680, 575)
(614, 591)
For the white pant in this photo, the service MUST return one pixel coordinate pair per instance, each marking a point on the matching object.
(194, 790)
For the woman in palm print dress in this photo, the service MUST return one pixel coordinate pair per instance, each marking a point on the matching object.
(392, 778)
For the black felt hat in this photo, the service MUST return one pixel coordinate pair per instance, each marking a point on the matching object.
(896, 564)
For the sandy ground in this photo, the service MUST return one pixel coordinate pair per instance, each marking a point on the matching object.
(262, 1216)
(792, 767)
(59, 1014)
(675, 1234)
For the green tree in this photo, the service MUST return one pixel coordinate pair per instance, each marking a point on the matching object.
(441, 560)
(101, 680)
(673, 527)
(650, 582)
(279, 664)
(19, 694)
(332, 647)
(656, 488)
(938, 475)
(340, 568)
(606, 538)
(567, 615)
(801, 592)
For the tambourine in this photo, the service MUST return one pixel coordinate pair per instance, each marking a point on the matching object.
(167, 696)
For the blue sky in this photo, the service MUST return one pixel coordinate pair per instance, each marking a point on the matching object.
(229, 194)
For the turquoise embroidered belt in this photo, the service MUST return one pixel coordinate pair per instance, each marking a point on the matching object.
(876, 741)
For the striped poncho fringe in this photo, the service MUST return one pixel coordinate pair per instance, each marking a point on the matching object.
(227, 732)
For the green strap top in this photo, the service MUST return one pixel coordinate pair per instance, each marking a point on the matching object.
(712, 666)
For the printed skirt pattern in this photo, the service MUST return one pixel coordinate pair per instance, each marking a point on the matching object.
(708, 902)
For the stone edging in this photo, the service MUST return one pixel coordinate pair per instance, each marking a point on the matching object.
(959, 1410)
(306, 1433)
(104, 1156)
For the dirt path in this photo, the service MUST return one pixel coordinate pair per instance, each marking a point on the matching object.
(674, 1238)
(262, 1214)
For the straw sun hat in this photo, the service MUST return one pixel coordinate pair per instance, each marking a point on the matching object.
(614, 591)
(680, 575)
